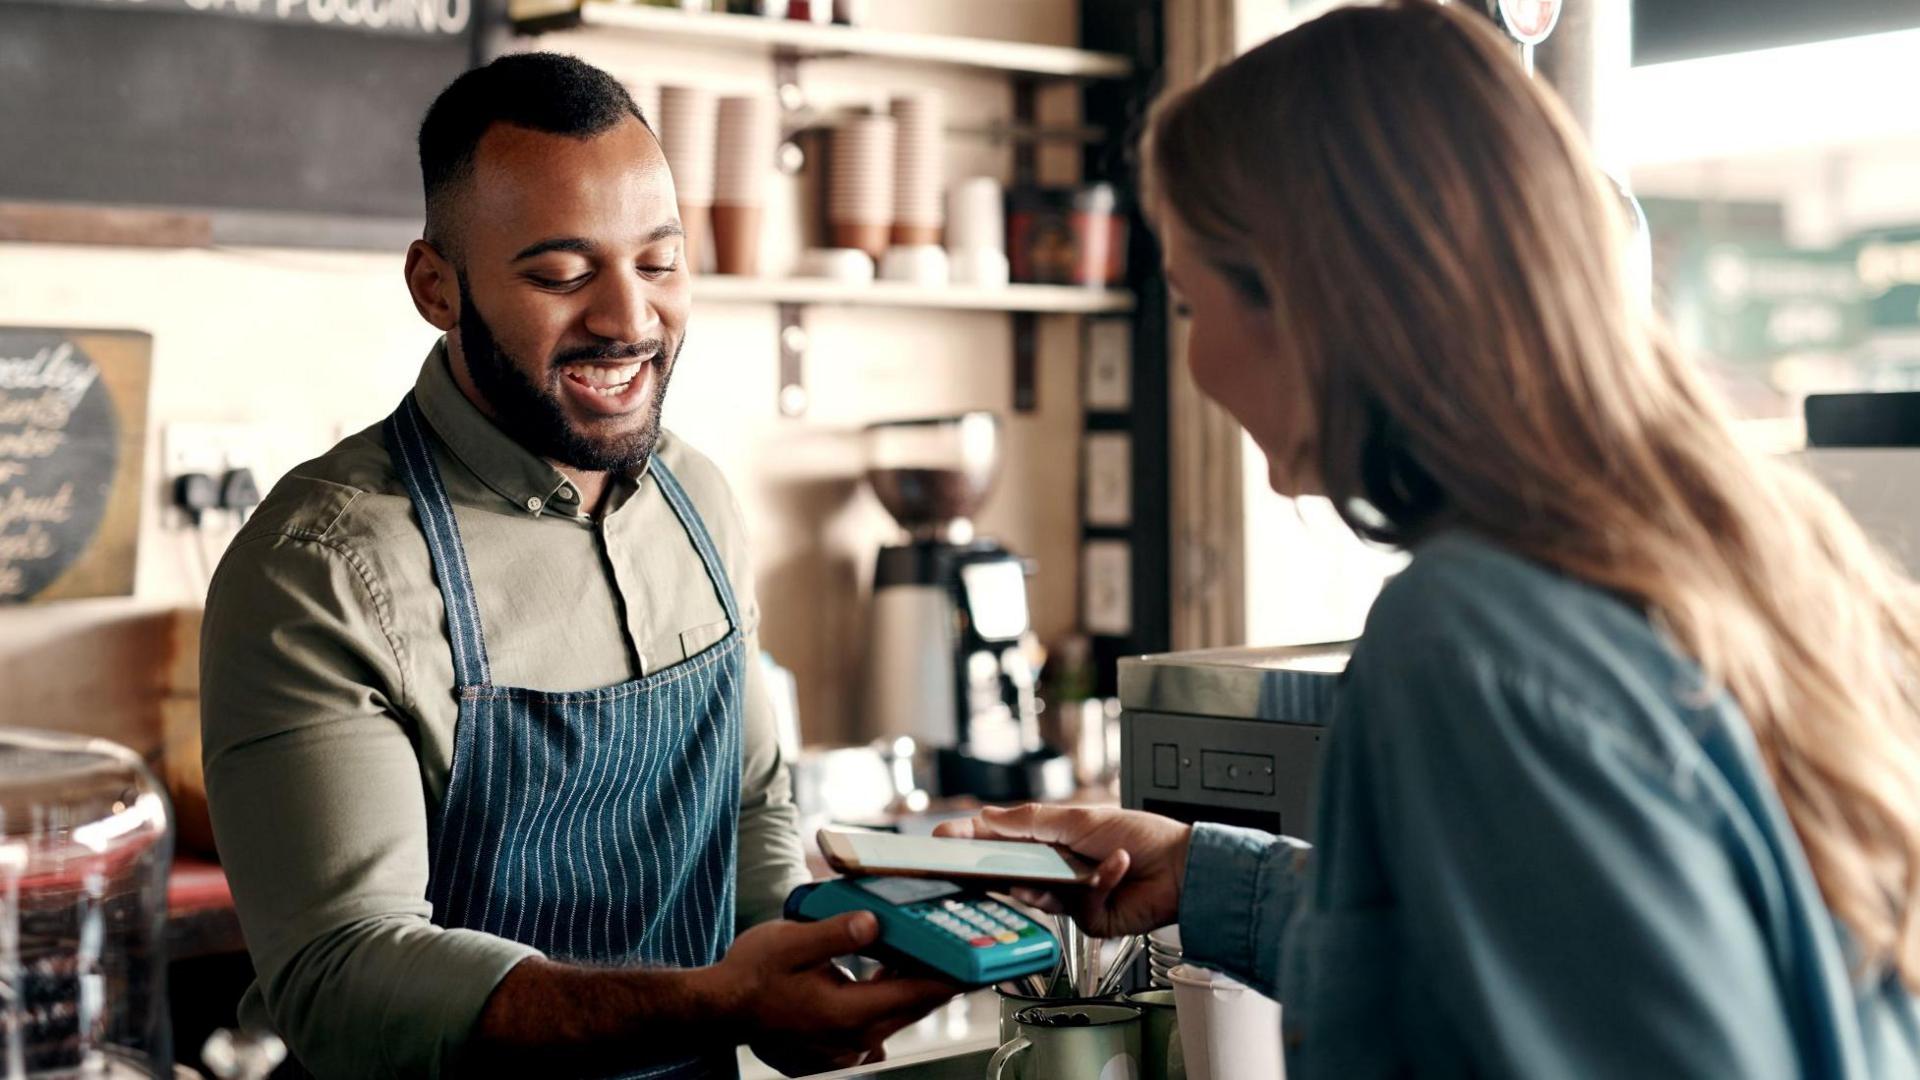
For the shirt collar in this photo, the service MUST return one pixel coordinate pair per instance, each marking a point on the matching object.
(512, 471)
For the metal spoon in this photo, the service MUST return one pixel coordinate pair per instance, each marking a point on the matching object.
(1117, 969)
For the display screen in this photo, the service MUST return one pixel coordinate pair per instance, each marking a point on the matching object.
(904, 891)
(1008, 859)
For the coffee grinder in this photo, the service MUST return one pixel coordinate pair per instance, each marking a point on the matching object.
(951, 656)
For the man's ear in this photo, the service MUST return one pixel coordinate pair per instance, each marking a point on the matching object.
(434, 285)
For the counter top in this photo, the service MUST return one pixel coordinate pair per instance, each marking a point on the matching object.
(200, 916)
(953, 1041)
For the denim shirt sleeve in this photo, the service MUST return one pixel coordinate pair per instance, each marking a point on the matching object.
(1240, 891)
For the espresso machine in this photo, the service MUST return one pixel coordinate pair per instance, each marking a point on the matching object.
(1233, 736)
(952, 660)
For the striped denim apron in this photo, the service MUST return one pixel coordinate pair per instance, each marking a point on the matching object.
(598, 826)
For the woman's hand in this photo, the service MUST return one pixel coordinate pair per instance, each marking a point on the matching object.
(1142, 860)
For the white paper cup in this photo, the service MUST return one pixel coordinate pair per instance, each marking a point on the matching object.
(689, 116)
(861, 187)
(646, 95)
(920, 138)
(976, 215)
(743, 154)
(1228, 1031)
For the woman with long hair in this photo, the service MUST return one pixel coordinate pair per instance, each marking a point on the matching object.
(1624, 777)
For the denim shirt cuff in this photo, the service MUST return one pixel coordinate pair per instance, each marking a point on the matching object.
(1218, 922)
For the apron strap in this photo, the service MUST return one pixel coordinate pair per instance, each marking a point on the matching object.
(691, 521)
(412, 453)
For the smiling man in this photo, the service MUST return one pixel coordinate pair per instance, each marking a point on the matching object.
(492, 770)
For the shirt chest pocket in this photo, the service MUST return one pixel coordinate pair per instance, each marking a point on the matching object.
(698, 639)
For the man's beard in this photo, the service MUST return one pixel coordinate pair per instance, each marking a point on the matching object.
(533, 415)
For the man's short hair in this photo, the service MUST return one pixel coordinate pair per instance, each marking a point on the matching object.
(544, 91)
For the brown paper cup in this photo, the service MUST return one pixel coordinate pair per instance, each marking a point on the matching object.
(915, 235)
(736, 239)
(696, 221)
(870, 238)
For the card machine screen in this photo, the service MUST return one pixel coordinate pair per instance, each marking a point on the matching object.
(904, 891)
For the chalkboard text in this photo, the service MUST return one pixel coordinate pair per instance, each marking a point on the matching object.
(434, 18)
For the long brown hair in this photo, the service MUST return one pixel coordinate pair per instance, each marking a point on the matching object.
(1440, 253)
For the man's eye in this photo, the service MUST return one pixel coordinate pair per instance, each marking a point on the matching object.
(558, 283)
(656, 272)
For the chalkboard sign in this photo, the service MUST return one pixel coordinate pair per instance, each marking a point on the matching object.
(73, 422)
(145, 105)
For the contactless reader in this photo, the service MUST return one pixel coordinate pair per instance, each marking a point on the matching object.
(963, 934)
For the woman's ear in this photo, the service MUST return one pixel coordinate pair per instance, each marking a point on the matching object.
(434, 285)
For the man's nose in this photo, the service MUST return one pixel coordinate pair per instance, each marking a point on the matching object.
(622, 309)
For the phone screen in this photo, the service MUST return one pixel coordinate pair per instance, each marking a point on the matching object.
(1015, 860)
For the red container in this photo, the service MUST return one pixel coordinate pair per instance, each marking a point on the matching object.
(1066, 236)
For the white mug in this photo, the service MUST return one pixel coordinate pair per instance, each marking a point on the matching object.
(916, 264)
(1104, 1045)
(983, 267)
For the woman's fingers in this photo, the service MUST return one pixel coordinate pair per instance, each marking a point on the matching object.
(957, 828)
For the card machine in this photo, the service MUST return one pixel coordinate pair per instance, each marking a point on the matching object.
(963, 934)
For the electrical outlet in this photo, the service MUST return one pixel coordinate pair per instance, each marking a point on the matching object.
(268, 450)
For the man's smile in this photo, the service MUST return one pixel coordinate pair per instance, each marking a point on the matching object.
(611, 388)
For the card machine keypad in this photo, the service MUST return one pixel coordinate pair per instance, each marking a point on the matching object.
(967, 936)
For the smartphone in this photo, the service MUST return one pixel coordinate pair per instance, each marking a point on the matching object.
(1015, 862)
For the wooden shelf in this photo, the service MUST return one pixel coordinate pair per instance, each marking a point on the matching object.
(804, 40)
(1039, 299)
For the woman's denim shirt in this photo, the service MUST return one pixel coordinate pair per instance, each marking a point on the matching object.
(1544, 849)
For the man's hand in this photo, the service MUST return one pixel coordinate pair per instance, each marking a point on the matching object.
(1142, 860)
(798, 1011)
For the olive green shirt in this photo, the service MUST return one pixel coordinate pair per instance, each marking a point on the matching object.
(328, 710)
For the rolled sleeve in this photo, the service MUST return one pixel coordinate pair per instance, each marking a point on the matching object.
(1240, 891)
(320, 815)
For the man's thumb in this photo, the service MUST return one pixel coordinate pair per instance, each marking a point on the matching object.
(828, 938)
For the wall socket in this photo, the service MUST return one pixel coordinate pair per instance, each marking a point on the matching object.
(269, 450)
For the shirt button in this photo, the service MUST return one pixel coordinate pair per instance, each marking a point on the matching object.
(566, 493)
(533, 504)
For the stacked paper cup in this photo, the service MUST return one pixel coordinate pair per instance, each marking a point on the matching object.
(741, 175)
(920, 131)
(687, 121)
(860, 200)
(647, 96)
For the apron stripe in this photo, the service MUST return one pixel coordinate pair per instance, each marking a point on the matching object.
(421, 474)
(544, 783)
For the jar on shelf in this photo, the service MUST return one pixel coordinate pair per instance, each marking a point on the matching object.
(1067, 236)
